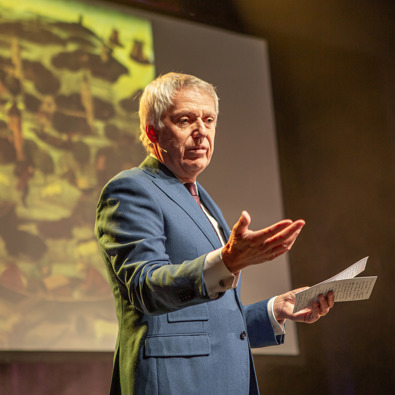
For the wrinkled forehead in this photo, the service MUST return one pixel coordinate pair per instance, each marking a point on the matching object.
(193, 100)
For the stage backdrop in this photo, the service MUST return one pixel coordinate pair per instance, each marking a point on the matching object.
(70, 76)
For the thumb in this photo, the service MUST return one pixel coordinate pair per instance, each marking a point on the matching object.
(299, 289)
(242, 224)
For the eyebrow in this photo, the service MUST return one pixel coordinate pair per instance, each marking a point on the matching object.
(192, 113)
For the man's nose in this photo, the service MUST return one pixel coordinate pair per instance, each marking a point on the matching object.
(200, 128)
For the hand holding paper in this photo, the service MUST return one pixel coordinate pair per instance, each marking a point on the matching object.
(283, 308)
(344, 285)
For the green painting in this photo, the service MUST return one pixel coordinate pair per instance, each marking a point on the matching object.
(70, 77)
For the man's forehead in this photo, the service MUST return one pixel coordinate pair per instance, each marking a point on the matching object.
(190, 99)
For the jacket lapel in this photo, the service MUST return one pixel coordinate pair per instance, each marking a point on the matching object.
(214, 210)
(175, 190)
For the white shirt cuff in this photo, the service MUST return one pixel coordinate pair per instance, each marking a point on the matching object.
(216, 275)
(277, 328)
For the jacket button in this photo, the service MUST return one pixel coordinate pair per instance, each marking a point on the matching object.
(243, 335)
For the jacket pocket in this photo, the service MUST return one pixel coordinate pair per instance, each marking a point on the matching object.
(193, 313)
(177, 345)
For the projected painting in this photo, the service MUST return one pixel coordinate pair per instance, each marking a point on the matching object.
(69, 75)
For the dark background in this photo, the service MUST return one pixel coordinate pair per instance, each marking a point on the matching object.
(332, 67)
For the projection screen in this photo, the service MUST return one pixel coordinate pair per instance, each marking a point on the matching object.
(70, 76)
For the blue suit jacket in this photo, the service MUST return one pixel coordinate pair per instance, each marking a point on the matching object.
(172, 338)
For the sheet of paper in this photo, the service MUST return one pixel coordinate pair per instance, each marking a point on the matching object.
(345, 286)
(350, 272)
(345, 291)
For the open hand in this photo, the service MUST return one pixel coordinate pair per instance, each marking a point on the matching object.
(246, 247)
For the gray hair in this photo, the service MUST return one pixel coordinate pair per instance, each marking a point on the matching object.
(158, 96)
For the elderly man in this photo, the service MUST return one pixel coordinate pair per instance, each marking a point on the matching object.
(174, 265)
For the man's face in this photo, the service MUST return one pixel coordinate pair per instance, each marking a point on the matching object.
(187, 140)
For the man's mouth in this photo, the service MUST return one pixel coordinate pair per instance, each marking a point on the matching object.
(199, 149)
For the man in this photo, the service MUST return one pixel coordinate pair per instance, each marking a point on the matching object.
(174, 265)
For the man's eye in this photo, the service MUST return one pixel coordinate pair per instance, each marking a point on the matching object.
(209, 120)
(183, 121)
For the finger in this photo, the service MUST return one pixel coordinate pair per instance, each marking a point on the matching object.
(287, 236)
(331, 299)
(290, 232)
(295, 291)
(304, 315)
(279, 249)
(308, 315)
(323, 305)
(273, 229)
(315, 312)
(242, 224)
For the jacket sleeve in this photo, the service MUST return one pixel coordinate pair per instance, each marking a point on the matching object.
(130, 227)
(260, 330)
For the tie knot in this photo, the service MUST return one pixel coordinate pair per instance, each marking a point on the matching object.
(192, 190)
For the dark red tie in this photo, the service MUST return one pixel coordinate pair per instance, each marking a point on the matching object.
(193, 191)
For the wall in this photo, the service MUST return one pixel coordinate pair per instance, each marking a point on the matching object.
(333, 85)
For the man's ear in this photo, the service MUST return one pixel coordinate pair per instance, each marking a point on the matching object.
(150, 131)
